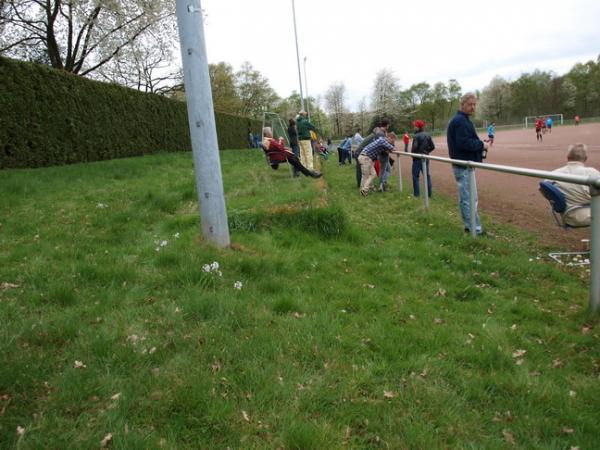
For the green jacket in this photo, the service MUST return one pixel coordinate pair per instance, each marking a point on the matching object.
(304, 127)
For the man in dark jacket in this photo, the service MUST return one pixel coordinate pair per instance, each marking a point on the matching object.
(304, 127)
(464, 144)
(422, 144)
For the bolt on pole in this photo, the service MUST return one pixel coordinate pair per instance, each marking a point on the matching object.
(201, 118)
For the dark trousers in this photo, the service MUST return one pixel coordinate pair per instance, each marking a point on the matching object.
(296, 150)
(358, 172)
(417, 168)
(298, 167)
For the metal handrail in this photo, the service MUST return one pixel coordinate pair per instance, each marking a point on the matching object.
(592, 182)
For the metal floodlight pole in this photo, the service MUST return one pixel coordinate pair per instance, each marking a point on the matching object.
(298, 57)
(306, 87)
(201, 118)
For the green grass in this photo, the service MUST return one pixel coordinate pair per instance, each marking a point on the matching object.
(361, 322)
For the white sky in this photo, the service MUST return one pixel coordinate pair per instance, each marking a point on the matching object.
(349, 41)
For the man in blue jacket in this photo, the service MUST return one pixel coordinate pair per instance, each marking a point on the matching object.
(464, 144)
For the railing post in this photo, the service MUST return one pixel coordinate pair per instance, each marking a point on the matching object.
(595, 251)
(399, 174)
(424, 165)
(472, 202)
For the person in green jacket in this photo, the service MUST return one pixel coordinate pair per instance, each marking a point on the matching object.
(304, 127)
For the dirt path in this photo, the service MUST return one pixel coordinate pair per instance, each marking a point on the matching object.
(515, 199)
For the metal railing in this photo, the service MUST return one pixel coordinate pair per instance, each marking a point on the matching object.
(592, 182)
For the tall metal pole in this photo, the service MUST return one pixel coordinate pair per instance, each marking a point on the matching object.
(201, 118)
(298, 57)
(306, 86)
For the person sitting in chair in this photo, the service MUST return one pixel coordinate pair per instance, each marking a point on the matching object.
(577, 194)
(277, 153)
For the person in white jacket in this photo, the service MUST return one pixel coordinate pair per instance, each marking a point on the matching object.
(577, 194)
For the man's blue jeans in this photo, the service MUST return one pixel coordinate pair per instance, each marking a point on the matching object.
(461, 175)
(417, 168)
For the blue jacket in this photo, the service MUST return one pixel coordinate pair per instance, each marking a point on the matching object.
(463, 142)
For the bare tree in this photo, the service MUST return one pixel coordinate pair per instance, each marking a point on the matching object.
(334, 104)
(78, 36)
(254, 91)
(386, 91)
(494, 102)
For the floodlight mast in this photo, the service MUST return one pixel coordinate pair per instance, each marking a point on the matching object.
(298, 57)
(201, 119)
(306, 86)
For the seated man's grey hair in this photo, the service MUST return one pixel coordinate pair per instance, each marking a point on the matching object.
(267, 131)
(577, 152)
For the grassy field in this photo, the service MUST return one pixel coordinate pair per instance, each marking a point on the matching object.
(334, 321)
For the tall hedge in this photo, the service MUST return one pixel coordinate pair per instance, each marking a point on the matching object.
(50, 117)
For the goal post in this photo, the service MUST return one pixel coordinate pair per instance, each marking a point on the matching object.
(278, 126)
(529, 121)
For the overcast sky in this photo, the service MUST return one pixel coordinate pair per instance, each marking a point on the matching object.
(349, 41)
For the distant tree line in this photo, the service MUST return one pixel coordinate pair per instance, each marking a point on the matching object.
(130, 42)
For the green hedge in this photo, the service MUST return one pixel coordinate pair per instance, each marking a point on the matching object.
(50, 117)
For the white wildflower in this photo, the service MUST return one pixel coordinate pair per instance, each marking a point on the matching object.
(176, 235)
(206, 268)
(214, 265)
(101, 205)
(237, 285)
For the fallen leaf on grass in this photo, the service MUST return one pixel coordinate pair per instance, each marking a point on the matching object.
(116, 396)
(438, 321)
(566, 430)
(508, 436)
(106, 441)
(388, 394)
(79, 365)
(557, 363)
(370, 286)
(587, 329)
(572, 394)
(20, 431)
(518, 353)
(440, 292)
(298, 315)
(245, 416)
(6, 285)
(519, 362)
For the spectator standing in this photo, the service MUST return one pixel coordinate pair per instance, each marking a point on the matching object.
(304, 127)
(577, 119)
(356, 140)
(369, 155)
(549, 123)
(379, 131)
(464, 144)
(422, 144)
(344, 151)
(406, 140)
(577, 194)
(293, 135)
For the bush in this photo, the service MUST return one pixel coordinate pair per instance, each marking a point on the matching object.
(51, 117)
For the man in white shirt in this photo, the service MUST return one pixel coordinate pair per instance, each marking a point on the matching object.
(577, 194)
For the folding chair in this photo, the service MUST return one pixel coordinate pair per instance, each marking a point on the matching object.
(558, 208)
